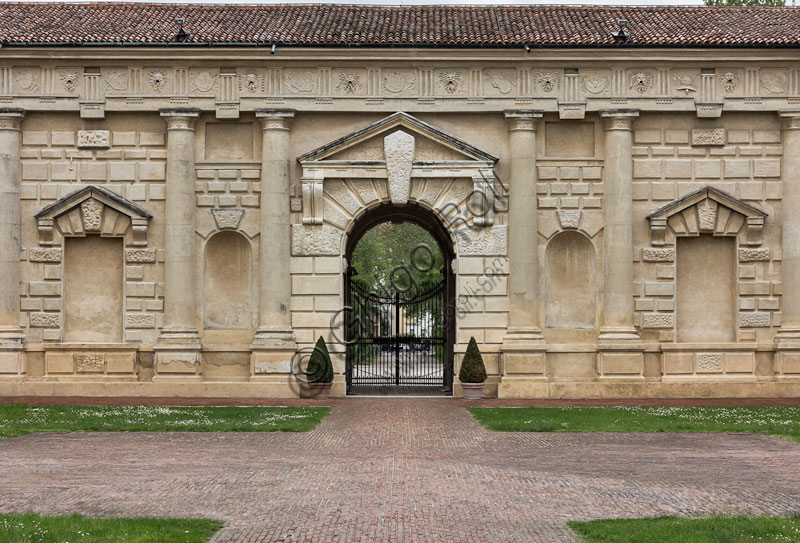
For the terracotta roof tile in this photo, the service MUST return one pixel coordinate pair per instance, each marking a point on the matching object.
(423, 26)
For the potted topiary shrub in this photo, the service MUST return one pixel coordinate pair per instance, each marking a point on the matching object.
(319, 372)
(473, 372)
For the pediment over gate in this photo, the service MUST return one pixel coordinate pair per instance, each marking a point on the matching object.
(94, 210)
(367, 144)
(706, 211)
(394, 151)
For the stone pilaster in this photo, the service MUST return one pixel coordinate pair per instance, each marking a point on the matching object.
(274, 341)
(523, 346)
(620, 352)
(11, 335)
(178, 349)
(787, 341)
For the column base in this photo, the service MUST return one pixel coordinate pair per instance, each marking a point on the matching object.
(620, 355)
(12, 356)
(787, 352)
(269, 338)
(524, 363)
(614, 334)
(274, 350)
(177, 355)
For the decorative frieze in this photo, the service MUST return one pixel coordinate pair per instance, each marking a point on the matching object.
(754, 319)
(94, 139)
(140, 321)
(90, 362)
(133, 256)
(708, 136)
(39, 254)
(753, 255)
(709, 362)
(45, 320)
(657, 320)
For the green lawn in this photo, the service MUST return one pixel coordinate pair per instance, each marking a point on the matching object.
(778, 421)
(17, 420)
(30, 528)
(678, 530)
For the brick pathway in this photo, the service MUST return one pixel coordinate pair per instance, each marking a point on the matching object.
(403, 470)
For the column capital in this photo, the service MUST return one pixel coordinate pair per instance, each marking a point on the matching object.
(790, 120)
(11, 118)
(524, 120)
(180, 118)
(275, 119)
(618, 119)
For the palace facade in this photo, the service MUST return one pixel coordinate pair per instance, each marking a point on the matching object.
(616, 192)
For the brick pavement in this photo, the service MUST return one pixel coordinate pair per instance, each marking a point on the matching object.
(399, 469)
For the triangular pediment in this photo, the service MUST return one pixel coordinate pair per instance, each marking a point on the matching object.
(97, 210)
(707, 210)
(367, 144)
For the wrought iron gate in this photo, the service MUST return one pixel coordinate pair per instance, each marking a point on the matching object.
(398, 344)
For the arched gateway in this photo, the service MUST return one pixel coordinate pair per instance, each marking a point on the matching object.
(399, 170)
(400, 337)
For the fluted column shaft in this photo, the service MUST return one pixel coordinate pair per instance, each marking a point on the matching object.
(522, 224)
(10, 138)
(618, 229)
(275, 287)
(179, 261)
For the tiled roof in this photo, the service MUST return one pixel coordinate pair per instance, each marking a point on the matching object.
(421, 26)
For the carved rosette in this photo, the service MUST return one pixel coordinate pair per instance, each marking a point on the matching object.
(399, 151)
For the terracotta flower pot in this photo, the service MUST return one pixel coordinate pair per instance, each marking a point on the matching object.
(319, 391)
(472, 391)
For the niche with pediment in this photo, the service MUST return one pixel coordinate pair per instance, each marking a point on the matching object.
(93, 210)
(706, 211)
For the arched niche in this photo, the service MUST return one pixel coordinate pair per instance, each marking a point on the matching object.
(571, 282)
(227, 300)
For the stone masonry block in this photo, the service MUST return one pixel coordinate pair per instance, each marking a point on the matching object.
(151, 139)
(63, 138)
(45, 288)
(647, 136)
(34, 138)
(677, 169)
(152, 171)
(93, 171)
(737, 167)
(659, 289)
(766, 136)
(766, 167)
(548, 172)
(34, 171)
(647, 168)
(126, 139)
(140, 289)
(676, 136)
(708, 168)
(122, 171)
